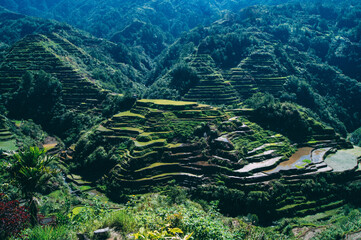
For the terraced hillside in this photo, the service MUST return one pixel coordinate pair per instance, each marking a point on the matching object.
(242, 81)
(7, 139)
(256, 73)
(261, 67)
(54, 55)
(194, 144)
(211, 87)
(190, 140)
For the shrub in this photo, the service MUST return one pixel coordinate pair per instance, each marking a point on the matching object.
(163, 233)
(184, 78)
(355, 137)
(48, 232)
(13, 218)
(120, 220)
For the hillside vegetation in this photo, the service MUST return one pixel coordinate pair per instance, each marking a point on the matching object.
(206, 148)
(170, 119)
(278, 50)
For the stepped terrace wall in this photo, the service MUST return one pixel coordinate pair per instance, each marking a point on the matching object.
(261, 68)
(211, 87)
(258, 72)
(171, 138)
(39, 52)
(7, 139)
(196, 146)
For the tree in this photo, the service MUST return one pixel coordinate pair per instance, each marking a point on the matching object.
(30, 169)
(184, 77)
(38, 97)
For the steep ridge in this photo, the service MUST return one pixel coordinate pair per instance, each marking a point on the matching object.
(114, 66)
(211, 87)
(53, 55)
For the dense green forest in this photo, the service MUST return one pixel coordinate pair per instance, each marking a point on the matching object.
(170, 119)
(311, 56)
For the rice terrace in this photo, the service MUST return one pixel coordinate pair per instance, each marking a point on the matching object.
(168, 119)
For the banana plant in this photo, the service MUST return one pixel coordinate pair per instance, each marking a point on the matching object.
(30, 169)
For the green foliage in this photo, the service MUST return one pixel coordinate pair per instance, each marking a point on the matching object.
(30, 169)
(227, 49)
(116, 103)
(183, 78)
(355, 137)
(183, 131)
(117, 81)
(120, 220)
(56, 203)
(92, 156)
(28, 133)
(48, 232)
(69, 124)
(162, 233)
(153, 213)
(175, 194)
(285, 118)
(307, 161)
(2, 105)
(38, 98)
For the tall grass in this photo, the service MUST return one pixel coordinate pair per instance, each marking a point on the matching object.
(50, 233)
(121, 221)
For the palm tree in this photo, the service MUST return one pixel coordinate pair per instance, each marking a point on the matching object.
(30, 169)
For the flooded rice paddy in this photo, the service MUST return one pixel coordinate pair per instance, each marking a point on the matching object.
(344, 160)
(301, 158)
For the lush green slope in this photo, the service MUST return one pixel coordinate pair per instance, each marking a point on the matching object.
(208, 149)
(150, 26)
(277, 74)
(15, 135)
(106, 18)
(127, 64)
(300, 40)
(295, 51)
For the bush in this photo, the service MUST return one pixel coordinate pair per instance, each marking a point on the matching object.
(355, 137)
(38, 97)
(13, 218)
(120, 220)
(184, 78)
(283, 117)
(48, 232)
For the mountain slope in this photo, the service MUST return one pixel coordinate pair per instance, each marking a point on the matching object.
(163, 20)
(199, 146)
(103, 19)
(302, 41)
(38, 52)
(126, 65)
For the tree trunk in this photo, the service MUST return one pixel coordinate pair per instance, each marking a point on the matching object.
(33, 209)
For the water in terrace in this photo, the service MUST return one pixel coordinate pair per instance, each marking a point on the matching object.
(343, 160)
(318, 154)
(296, 159)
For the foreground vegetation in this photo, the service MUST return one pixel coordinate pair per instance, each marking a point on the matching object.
(161, 215)
(285, 87)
